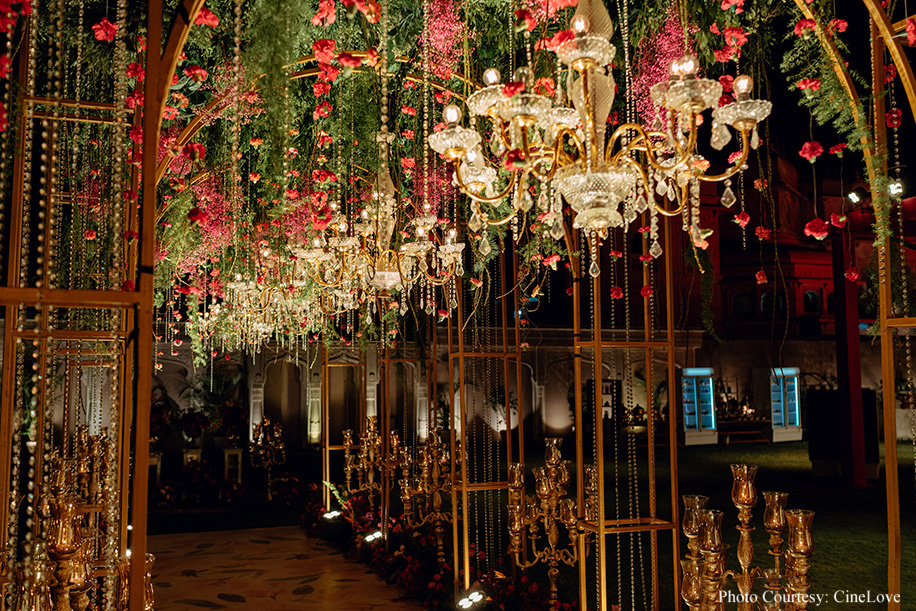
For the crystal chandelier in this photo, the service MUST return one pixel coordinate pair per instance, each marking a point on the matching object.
(607, 181)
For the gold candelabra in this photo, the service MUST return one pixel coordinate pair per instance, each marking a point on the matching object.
(371, 462)
(704, 573)
(547, 508)
(268, 450)
(430, 487)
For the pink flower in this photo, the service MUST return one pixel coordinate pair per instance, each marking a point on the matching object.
(195, 73)
(513, 88)
(646, 291)
(135, 71)
(326, 14)
(477, 282)
(515, 160)
(348, 60)
(90, 234)
(206, 17)
(763, 233)
(852, 274)
(911, 32)
(837, 221)
(524, 20)
(761, 183)
(734, 157)
(105, 30)
(323, 48)
(817, 229)
(837, 149)
(742, 219)
(811, 151)
(616, 292)
(804, 27)
(761, 277)
(551, 261)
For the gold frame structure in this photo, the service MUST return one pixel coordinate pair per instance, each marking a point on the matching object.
(326, 446)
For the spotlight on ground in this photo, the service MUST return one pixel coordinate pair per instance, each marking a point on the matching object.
(372, 537)
(331, 515)
(896, 188)
(857, 195)
(471, 600)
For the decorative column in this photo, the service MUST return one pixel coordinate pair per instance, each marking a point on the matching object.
(255, 395)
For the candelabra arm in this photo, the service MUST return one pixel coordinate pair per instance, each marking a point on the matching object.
(643, 143)
(745, 151)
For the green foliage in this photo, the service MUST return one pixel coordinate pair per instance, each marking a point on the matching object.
(699, 260)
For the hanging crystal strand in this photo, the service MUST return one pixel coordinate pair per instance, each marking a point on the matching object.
(4, 152)
(656, 248)
(238, 84)
(27, 155)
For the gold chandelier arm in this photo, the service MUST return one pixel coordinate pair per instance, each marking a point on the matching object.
(745, 151)
(665, 212)
(464, 188)
(324, 284)
(399, 256)
(556, 154)
(441, 280)
(643, 143)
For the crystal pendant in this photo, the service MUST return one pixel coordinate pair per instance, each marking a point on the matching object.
(755, 138)
(642, 204)
(720, 137)
(543, 202)
(556, 230)
(484, 248)
(527, 202)
(452, 303)
(429, 307)
(655, 250)
(728, 198)
(661, 187)
(629, 215)
(403, 309)
(593, 269)
(475, 223)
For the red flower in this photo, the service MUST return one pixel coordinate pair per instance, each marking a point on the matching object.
(837, 25)
(615, 254)
(348, 60)
(646, 291)
(911, 32)
(256, 142)
(852, 274)
(734, 157)
(616, 292)
(515, 160)
(320, 89)
(738, 5)
(804, 27)
(761, 183)
(556, 41)
(195, 151)
(324, 50)
(169, 113)
(890, 73)
(763, 233)
(324, 139)
(105, 30)
(551, 261)
(195, 73)
(524, 20)
(742, 219)
(735, 37)
(646, 258)
(196, 215)
(135, 71)
(811, 151)
(725, 55)
(90, 234)
(894, 118)
(817, 229)
(254, 177)
(408, 133)
(328, 73)
(136, 134)
(135, 99)
(837, 149)
(513, 88)
(127, 285)
(5, 66)
(409, 110)
(544, 86)
(809, 85)
(322, 110)
(408, 163)
(206, 17)
(727, 81)
(326, 14)
(838, 221)
(761, 277)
